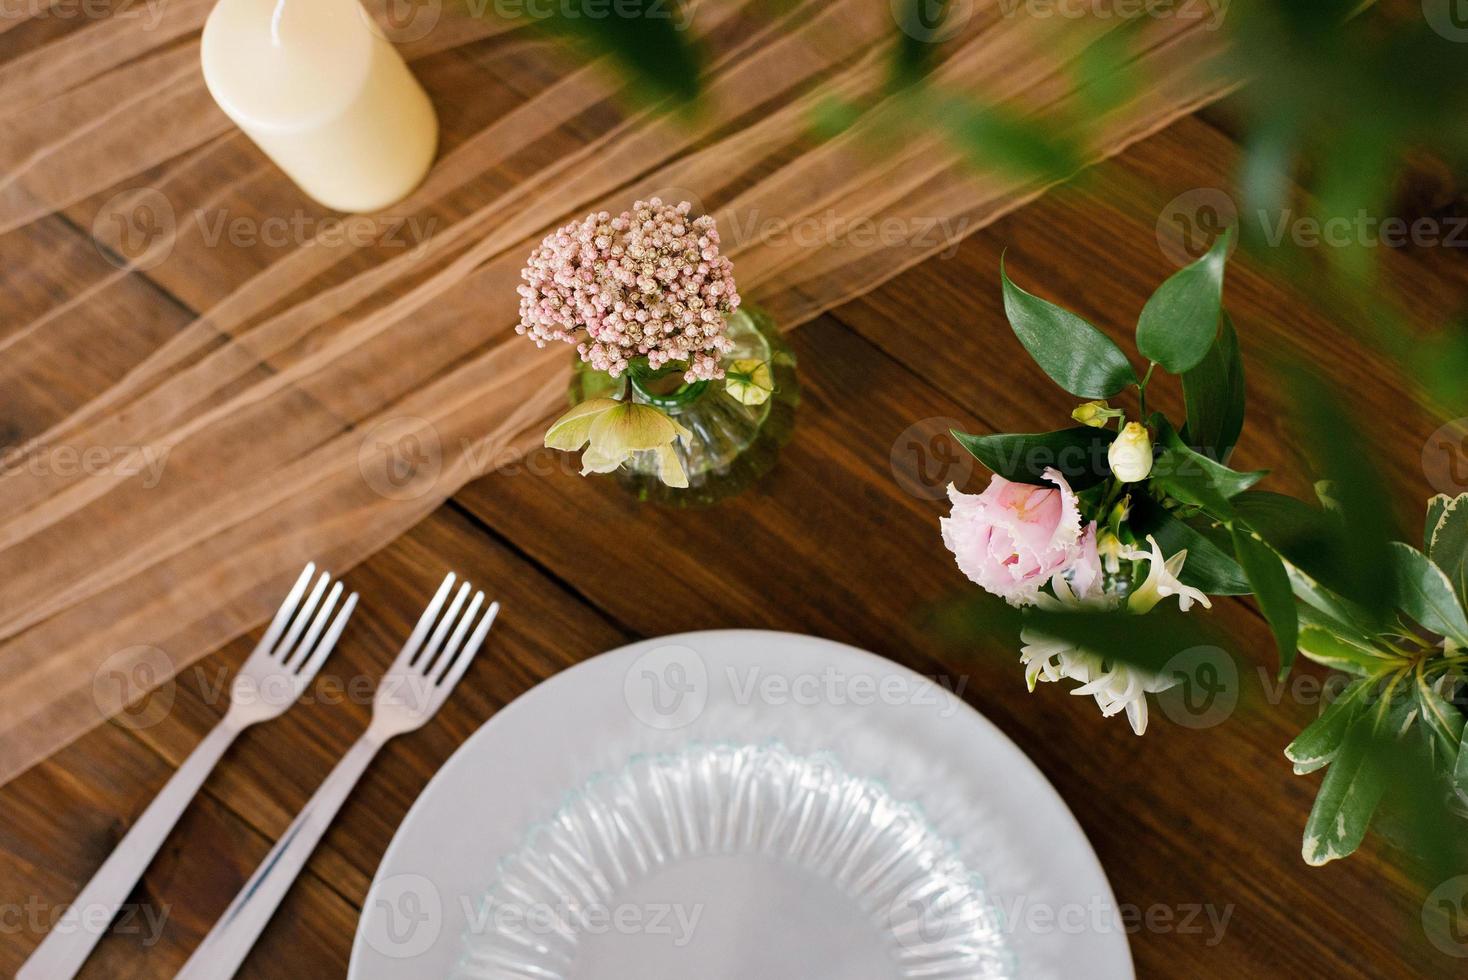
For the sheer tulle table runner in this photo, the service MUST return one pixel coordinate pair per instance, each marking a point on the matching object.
(260, 385)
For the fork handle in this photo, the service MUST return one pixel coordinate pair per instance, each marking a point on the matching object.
(229, 942)
(66, 947)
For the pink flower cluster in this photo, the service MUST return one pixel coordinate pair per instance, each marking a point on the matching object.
(648, 282)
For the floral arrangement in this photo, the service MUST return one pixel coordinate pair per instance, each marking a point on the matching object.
(1128, 515)
(645, 294)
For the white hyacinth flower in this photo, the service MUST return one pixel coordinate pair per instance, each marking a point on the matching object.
(1116, 687)
(1162, 581)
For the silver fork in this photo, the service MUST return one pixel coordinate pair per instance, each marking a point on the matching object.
(414, 687)
(271, 680)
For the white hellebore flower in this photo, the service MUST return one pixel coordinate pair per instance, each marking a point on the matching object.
(616, 430)
(1130, 454)
(748, 381)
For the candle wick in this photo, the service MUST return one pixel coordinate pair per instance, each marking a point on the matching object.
(275, 22)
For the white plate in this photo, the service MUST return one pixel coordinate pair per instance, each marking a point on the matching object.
(878, 721)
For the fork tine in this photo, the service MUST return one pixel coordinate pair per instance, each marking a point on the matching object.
(415, 639)
(295, 656)
(328, 642)
(303, 616)
(425, 660)
(466, 655)
(288, 606)
(456, 640)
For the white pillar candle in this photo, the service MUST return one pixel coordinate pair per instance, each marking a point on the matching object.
(320, 90)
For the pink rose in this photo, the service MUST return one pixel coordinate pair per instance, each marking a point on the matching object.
(1013, 537)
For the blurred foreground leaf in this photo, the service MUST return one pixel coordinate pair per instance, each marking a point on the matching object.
(650, 42)
(1148, 642)
(1359, 537)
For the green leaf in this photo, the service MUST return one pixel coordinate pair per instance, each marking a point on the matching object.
(1352, 620)
(1422, 591)
(1178, 324)
(1460, 769)
(1272, 590)
(1447, 545)
(1348, 796)
(1214, 394)
(1317, 745)
(1208, 567)
(1194, 478)
(1335, 645)
(1079, 454)
(1077, 356)
(1442, 723)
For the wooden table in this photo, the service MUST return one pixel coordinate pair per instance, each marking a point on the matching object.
(833, 543)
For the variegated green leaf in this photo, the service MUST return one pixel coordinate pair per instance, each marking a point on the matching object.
(1441, 722)
(1348, 796)
(1447, 542)
(1435, 507)
(1330, 648)
(1317, 745)
(1326, 601)
(1460, 770)
(1422, 591)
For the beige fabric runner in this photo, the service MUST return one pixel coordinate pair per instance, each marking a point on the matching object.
(337, 387)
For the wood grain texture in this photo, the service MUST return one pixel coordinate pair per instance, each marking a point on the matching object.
(838, 541)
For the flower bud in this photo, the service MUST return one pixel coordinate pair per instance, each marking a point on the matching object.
(1109, 548)
(1130, 454)
(1096, 414)
(749, 381)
